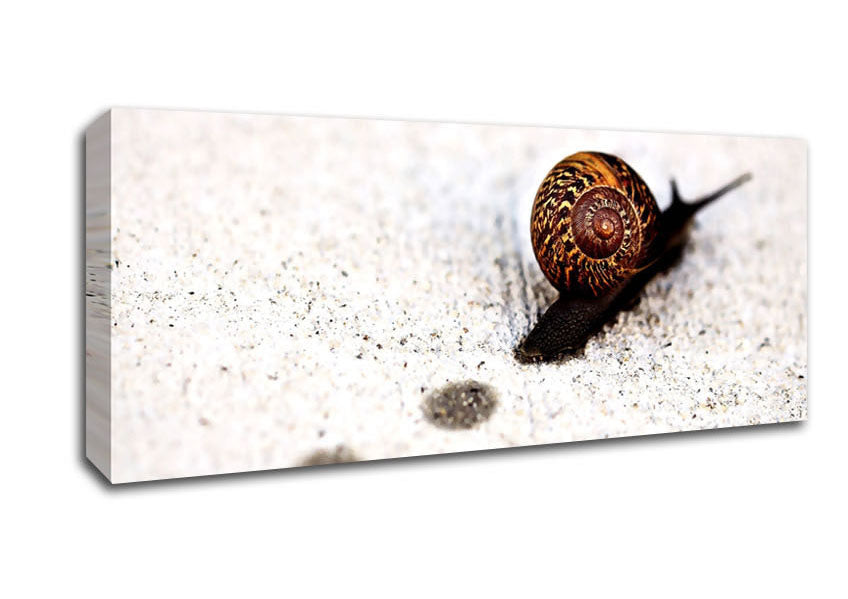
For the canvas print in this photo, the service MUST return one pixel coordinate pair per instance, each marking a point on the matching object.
(269, 292)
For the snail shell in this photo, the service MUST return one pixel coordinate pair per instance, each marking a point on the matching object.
(593, 223)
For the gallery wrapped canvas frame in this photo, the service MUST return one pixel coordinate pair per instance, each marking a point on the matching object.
(277, 291)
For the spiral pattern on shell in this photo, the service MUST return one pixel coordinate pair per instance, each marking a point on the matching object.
(593, 223)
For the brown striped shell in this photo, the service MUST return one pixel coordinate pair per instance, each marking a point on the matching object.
(593, 223)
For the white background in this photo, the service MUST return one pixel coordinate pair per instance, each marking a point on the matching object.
(758, 511)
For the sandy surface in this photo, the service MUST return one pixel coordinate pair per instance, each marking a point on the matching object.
(290, 291)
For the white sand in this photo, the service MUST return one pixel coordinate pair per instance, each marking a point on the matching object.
(288, 286)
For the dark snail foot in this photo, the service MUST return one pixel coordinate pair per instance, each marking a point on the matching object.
(563, 329)
(570, 322)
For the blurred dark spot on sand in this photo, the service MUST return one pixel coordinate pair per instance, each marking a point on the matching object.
(460, 406)
(322, 457)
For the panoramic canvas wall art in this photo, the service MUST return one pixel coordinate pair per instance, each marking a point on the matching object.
(270, 292)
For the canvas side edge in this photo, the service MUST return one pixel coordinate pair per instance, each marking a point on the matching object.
(98, 297)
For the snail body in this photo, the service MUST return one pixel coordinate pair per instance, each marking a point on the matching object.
(599, 236)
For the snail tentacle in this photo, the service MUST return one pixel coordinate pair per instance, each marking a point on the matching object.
(675, 219)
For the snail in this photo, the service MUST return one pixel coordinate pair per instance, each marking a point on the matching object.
(599, 237)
